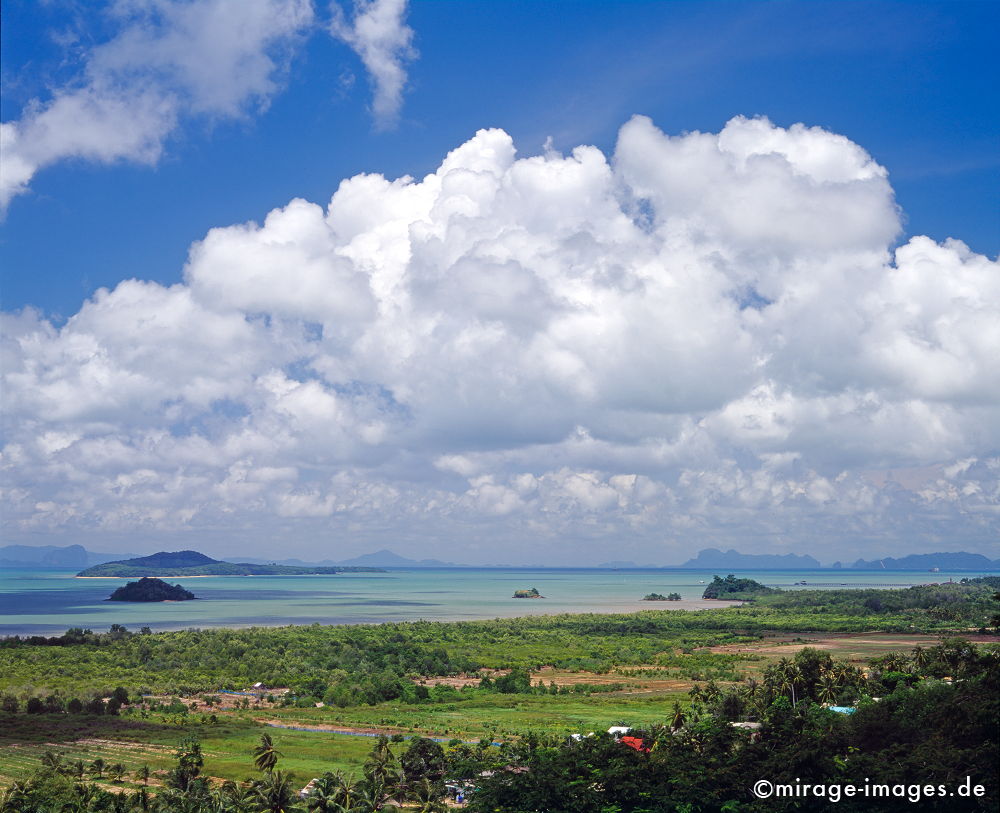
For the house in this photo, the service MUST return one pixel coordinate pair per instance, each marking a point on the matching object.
(617, 731)
(635, 743)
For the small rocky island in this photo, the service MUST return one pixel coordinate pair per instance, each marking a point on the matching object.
(661, 597)
(532, 593)
(151, 589)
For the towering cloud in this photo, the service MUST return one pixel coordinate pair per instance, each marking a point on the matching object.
(704, 337)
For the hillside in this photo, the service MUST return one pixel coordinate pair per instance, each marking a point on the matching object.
(925, 561)
(151, 589)
(193, 563)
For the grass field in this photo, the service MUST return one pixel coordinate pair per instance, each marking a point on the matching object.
(227, 746)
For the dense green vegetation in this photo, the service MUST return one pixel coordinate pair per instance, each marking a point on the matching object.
(529, 593)
(916, 734)
(661, 597)
(733, 588)
(151, 589)
(365, 662)
(191, 563)
(921, 732)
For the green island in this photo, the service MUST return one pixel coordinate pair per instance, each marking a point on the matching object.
(151, 589)
(661, 597)
(798, 686)
(733, 588)
(192, 563)
(530, 593)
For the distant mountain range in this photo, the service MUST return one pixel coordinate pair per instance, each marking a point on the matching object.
(929, 561)
(710, 558)
(193, 563)
(52, 556)
(76, 556)
(382, 558)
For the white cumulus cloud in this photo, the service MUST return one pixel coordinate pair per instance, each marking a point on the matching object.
(700, 339)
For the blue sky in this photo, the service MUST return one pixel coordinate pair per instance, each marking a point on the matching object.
(914, 83)
(911, 84)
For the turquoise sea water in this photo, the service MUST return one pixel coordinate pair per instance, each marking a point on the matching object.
(50, 601)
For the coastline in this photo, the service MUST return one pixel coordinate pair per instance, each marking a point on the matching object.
(687, 605)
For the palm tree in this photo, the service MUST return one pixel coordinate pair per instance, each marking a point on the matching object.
(117, 772)
(97, 767)
(696, 694)
(381, 771)
(143, 774)
(677, 718)
(429, 796)
(827, 688)
(920, 657)
(276, 793)
(238, 798)
(76, 769)
(265, 755)
(52, 761)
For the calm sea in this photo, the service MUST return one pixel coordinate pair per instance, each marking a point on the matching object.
(50, 601)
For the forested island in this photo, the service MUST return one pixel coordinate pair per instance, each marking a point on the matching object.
(661, 597)
(733, 588)
(151, 589)
(192, 563)
(532, 593)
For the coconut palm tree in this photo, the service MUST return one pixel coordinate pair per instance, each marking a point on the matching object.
(429, 796)
(97, 768)
(238, 798)
(52, 761)
(828, 688)
(677, 718)
(265, 755)
(76, 769)
(276, 794)
(143, 774)
(117, 772)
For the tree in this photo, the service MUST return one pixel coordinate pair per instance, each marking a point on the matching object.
(265, 755)
(143, 774)
(277, 794)
(424, 759)
(52, 761)
(677, 718)
(189, 764)
(97, 768)
(117, 772)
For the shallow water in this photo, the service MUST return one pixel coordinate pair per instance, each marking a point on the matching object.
(50, 601)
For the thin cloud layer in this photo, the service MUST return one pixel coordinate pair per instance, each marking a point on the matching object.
(704, 338)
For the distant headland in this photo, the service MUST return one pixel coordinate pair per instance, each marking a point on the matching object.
(192, 563)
